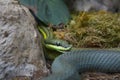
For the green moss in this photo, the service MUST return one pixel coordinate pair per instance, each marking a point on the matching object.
(92, 29)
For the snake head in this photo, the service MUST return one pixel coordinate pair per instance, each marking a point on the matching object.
(58, 45)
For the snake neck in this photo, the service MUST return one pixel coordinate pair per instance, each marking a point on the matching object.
(47, 33)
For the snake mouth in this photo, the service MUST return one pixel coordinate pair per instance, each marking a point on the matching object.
(58, 45)
(58, 48)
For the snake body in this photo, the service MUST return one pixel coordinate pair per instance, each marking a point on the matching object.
(68, 65)
(50, 12)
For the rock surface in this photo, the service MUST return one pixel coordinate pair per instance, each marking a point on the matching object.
(21, 52)
(91, 5)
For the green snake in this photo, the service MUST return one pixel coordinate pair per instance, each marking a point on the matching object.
(71, 64)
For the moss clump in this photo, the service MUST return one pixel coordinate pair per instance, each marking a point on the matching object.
(92, 29)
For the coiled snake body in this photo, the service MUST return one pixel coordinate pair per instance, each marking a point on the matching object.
(68, 65)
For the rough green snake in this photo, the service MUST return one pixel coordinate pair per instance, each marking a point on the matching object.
(71, 64)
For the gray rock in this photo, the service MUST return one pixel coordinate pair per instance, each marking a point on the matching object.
(88, 5)
(21, 53)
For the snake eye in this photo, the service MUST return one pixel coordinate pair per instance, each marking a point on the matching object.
(58, 44)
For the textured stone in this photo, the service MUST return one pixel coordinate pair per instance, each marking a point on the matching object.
(21, 52)
(90, 5)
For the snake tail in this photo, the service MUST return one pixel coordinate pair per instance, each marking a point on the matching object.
(70, 65)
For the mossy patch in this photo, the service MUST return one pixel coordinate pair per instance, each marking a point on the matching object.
(92, 29)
